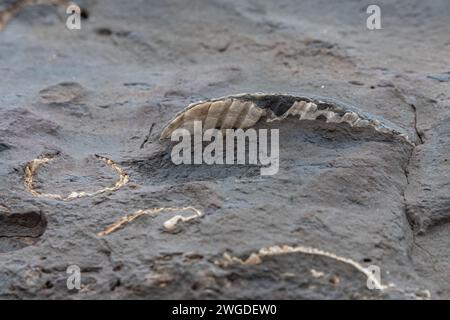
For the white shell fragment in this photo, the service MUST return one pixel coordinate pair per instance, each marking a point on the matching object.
(33, 165)
(256, 258)
(169, 225)
(245, 110)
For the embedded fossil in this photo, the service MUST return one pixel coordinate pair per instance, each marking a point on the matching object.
(33, 165)
(169, 225)
(245, 110)
(256, 258)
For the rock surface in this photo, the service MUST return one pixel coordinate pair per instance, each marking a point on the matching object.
(109, 88)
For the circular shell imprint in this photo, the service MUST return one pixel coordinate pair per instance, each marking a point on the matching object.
(245, 110)
(32, 167)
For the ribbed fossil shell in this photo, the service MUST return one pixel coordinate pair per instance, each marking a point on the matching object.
(245, 110)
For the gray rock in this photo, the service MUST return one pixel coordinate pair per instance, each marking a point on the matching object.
(110, 88)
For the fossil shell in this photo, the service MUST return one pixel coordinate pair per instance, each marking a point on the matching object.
(257, 258)
(33, 165)
(245, 110)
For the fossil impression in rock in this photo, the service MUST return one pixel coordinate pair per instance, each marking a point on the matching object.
(276, 250)
(245, 110)
(32, 167)
(169, 225)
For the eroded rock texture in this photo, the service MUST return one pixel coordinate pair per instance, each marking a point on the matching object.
(109, 89)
